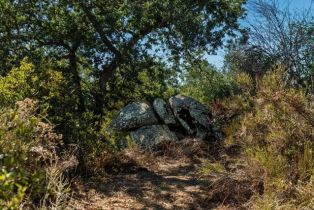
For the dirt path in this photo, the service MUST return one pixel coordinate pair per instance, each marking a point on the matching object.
(142, 182)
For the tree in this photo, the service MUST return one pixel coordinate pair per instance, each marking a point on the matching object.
(205, 83)
(249, 59)
(278, 35)
(106, 35)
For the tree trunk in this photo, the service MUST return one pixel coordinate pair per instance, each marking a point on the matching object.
(76, 79)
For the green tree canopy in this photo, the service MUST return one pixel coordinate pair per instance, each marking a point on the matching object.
(106, 35)
(204, 82)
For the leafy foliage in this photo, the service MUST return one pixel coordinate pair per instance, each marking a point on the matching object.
(276, 134)
(107, 36)
(68, 66)
(277, 35)
(28, 149)
(205, 83)
(11, 85)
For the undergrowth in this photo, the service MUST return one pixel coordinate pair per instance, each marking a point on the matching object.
(274, 129)
(31, 168)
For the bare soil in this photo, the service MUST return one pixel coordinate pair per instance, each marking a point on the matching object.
(141, 180)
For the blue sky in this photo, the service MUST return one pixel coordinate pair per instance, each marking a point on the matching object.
(298, 4)
(295, 5)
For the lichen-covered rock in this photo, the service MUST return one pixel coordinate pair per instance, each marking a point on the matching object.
(133, 116)
(148, 136)
(191, 114)
(164, 111)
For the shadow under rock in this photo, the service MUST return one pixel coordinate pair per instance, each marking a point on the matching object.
(151, 189)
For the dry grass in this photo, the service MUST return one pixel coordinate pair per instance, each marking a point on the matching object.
(173, 175)
(165, 177)
(186, 148)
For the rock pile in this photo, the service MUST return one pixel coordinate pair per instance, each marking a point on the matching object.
(149, 125)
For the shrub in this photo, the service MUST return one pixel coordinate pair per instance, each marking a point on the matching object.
(28, 154)
(276, 132)
(205, 83)
(17, 85)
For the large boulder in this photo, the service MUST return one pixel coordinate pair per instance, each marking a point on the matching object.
(133, 116)
(148, 136)
(164, 111)
(191, 114)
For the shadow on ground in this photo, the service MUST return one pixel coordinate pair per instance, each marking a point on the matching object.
(160, 182)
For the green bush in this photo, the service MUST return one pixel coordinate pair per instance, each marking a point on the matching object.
(27, 155)
(205, 83)
(275, 128)
(17, 84)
